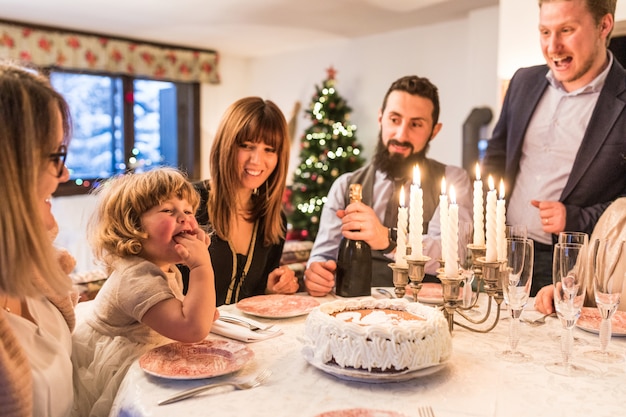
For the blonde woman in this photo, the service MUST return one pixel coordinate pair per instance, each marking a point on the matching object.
(36, 314)
(611, 225)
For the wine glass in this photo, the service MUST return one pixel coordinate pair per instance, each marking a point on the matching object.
(574, 237)
(516, 230)
(516, 289)
(609, 270)
(570, 268)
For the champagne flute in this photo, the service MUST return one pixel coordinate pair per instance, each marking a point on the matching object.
(570, 270)
(581, 238)
(516, 289)
(513, 231)
(574, 237)
(609, 270)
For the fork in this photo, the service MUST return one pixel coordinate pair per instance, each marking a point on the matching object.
(241, 322)
(426, 411)
(252, 383)
(538, 322)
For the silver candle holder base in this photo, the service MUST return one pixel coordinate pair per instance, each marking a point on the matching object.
(400, 278)
(416, 273)
(451, 288)
(477, 252)
(492, 277)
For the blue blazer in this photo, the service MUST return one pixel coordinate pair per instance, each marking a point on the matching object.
(598, 175)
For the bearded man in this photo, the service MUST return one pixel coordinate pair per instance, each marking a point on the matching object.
(408, 121)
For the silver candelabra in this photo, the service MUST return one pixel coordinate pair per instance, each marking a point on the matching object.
(487, 275)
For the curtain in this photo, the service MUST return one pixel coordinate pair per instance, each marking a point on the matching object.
(73, 51)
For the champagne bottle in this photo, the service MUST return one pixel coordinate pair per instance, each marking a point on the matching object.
(354, 262)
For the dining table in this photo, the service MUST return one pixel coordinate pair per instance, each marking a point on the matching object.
(474, 381)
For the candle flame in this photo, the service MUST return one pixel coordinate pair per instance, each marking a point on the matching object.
(501, 189)
(491, 184)
(402, 197)
(417, 179)
(477, 171)
(443, 186)
(452, 195)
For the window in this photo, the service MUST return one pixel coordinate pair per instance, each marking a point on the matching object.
(124, 124)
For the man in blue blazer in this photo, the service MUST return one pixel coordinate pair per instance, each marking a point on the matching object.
(560, 141)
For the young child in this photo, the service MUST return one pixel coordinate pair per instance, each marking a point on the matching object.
(144, 224)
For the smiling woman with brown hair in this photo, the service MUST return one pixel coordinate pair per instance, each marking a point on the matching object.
(243, 201)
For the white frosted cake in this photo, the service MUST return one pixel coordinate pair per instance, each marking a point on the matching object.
(377, 335)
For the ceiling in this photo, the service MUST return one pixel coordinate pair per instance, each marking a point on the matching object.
(249, 28)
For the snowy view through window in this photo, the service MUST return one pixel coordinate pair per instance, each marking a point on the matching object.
(96, 104)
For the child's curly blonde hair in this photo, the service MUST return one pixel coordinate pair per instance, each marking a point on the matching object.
(115, 228)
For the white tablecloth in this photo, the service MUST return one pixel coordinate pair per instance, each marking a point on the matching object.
(473, 383)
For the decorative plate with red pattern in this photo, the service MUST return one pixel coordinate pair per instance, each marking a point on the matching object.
(360, 412)
(590, 320)
(206, 359)
(277, 306)
(431, 293)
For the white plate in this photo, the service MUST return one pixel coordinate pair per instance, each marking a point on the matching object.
(206, 359)
(590, 320)
(277, 306)
(359, 375)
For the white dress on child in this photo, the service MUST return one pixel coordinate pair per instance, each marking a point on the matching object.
(109, 333)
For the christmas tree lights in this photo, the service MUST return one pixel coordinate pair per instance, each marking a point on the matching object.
(329, 148)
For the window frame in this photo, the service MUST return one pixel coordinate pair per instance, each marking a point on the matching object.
(188, 127)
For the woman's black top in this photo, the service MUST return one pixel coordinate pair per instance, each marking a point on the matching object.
(236, 275)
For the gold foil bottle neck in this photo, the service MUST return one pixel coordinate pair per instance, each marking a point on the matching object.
(355, 192)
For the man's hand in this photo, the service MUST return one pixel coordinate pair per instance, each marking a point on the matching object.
(319, 278)
(544, 300)
(282, 280)
(359, 222)
(552, 214)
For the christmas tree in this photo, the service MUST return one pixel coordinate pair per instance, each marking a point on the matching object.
(328, 149)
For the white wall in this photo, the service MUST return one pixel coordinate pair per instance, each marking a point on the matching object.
(459, 56)
(214, 99)
(519, 35)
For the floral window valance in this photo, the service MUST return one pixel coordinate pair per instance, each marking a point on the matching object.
(99, 53)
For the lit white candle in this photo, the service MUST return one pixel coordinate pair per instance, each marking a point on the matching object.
(479, 215)
(403, 221)
(492, 251)
(452, 241)
(416, 217)
(501, 224)
(443, 216)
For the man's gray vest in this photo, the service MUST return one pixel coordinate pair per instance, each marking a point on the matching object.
(431, 173)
